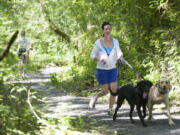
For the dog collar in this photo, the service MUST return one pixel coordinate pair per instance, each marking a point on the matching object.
(163, 92)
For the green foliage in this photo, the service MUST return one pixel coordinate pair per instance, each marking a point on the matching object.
(84, 124)
(148, 32)
(78, 123)
(16, 116)
(174, 98)
(72, 80)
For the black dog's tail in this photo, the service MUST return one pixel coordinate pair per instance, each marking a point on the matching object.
(113, 94)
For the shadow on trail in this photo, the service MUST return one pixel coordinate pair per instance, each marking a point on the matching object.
(78, 107)
(64, 105)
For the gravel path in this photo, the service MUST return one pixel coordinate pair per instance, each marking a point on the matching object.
(61, 104)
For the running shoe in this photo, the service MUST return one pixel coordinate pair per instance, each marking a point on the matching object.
(110, 112)
(92, 102)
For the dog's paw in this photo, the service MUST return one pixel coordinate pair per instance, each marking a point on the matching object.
(114, 118)
(151, 119)
(171, 123)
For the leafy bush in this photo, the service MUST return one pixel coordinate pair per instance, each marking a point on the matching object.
(16, 116)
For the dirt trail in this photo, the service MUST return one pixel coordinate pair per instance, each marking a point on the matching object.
(78, 106)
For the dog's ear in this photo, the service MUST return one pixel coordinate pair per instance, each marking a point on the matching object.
(140, 85)
(159, 83)
(150, 84)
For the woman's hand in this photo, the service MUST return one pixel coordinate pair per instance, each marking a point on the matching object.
(121, 57)
(101, 60)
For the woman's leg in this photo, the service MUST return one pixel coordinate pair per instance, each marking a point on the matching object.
(112, 99)
(103, 92)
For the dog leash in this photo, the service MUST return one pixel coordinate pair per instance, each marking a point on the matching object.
(124, 61)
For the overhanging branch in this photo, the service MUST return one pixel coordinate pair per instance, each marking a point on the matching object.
(52, 25)
(59, 132)
(5, 52)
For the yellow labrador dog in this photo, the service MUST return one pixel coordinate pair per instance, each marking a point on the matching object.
(159, 94)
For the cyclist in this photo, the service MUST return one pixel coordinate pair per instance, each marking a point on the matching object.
(23, 45)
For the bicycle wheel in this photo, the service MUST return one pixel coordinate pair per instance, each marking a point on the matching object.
(22, 64)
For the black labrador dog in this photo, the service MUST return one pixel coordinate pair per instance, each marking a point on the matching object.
(135, 95)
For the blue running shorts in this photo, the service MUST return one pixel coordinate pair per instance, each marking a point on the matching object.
(106, 76)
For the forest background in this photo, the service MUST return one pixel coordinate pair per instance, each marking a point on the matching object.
(63, 33)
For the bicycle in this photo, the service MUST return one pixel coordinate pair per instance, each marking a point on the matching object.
(22, 60)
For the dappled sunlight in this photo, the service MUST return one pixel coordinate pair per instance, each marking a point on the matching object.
(61, 105)
(31, 81)
(175, 131)
(48, 91)
(51, 70)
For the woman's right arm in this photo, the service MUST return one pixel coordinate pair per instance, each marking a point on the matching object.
(94, 53)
